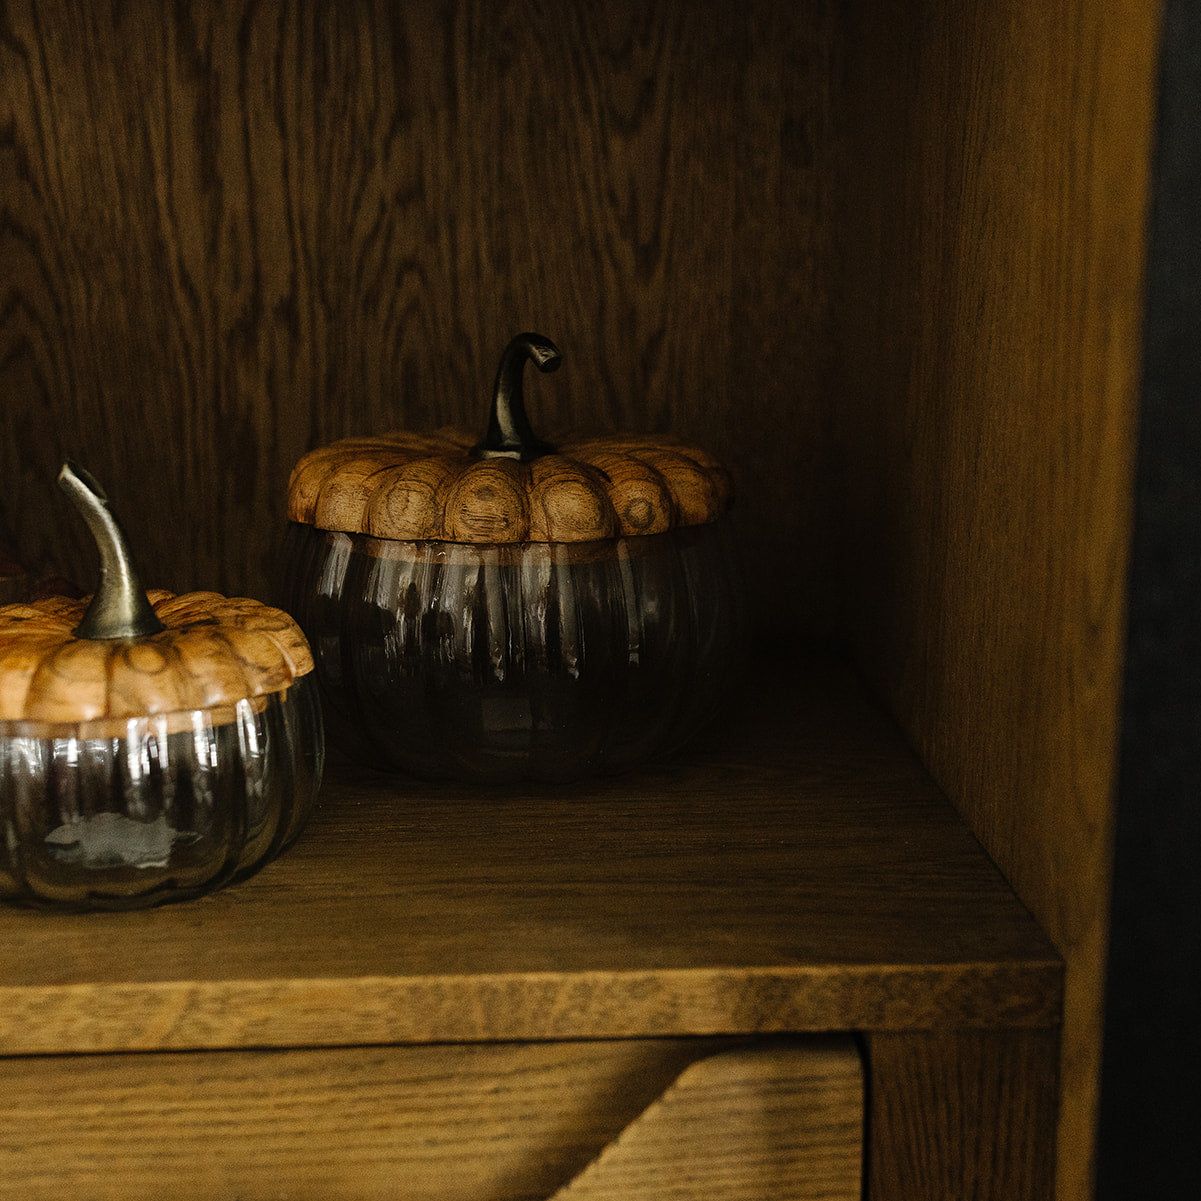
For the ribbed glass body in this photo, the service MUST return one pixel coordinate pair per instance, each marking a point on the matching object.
(166, 808)
(534, 661)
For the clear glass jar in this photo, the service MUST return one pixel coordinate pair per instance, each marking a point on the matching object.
(542, 661)
(96, 815)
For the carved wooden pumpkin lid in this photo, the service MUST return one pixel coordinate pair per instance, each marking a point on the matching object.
(510, 486)
(124, 654)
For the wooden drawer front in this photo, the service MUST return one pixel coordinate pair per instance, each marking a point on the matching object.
(653, 1119)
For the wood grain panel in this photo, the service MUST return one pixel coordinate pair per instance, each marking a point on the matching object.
(995, 194)
(798, 872)
(486, 1123)
(777, 1119)
(520, 1122)
(956, 1115)
(234, 231)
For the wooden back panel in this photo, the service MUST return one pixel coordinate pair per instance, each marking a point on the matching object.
(996, 192)
(233, 231)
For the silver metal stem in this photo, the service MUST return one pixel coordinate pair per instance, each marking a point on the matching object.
(119, 607)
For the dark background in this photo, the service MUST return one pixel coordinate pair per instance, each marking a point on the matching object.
(1150, 1129)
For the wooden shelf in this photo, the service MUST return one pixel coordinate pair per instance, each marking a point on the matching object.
(797, 872)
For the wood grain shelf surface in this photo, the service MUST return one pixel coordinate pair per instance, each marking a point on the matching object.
(798, 871)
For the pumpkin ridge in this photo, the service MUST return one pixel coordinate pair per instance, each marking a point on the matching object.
(226, 676)
(372, 490)
(250, 686)
(61, 687)
(694, 494)
(568, 502)
(718, 478)
(136, 687)
(310, 475)
(13, 708)
(295, 651)
(638, 513)
(261, 678)
(33, 616)
(488, 502)
(418, 482)
(340, 497)
(660, 478)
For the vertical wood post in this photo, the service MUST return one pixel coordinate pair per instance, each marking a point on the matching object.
(962, 1115)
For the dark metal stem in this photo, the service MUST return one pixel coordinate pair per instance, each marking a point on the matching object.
(119, 608)
(510, 435)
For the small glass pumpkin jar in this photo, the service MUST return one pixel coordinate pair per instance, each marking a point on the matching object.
(153, 747)
(504, 609)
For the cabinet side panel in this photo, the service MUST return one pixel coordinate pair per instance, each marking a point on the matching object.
(995, 189)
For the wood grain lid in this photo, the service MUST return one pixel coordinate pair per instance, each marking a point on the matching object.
(212, 652)
(510, 486)
(123, 653)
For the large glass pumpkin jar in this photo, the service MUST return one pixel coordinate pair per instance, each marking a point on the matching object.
(152, 747)
(502, 609)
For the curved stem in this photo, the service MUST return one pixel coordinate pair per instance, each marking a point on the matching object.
(119, 608)
(510, 435)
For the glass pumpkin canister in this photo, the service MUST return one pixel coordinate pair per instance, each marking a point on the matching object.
(153, 747)
(503, 609)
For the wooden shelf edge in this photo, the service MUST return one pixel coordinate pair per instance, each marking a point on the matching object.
(542, 1007)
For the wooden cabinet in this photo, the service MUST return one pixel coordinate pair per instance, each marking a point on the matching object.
(885, 256)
